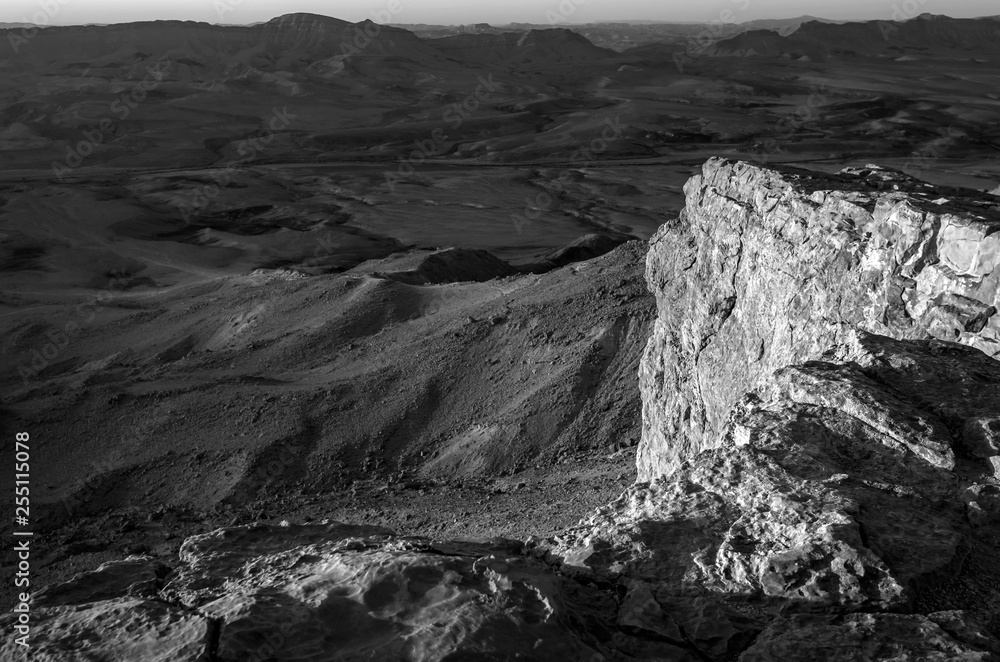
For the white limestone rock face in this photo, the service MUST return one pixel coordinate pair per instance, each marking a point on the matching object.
(839, 486)
(766, 268)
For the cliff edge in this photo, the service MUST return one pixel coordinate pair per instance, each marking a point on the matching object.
(822, 416)
(766, 268)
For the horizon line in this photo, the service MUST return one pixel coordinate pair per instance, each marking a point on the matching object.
(511, 23)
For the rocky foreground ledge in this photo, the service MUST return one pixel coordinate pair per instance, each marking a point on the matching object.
(822, 436)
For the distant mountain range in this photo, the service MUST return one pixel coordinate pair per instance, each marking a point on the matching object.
(923, 36)
(622, 35)
(282, 42)
(511, 48)
(297, 41)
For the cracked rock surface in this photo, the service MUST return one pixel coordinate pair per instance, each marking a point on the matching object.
(766, 268)
(837, 487)
(832, 496)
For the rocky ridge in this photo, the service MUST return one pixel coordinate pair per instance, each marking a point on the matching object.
(895, 38)
(320, 36)
(830, 496)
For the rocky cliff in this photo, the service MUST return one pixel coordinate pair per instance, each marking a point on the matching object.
(832, 493)
(765, 268)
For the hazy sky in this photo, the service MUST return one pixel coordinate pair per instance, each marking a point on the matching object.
(69, 12)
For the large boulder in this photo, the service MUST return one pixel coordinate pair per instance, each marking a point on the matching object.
(766, 268)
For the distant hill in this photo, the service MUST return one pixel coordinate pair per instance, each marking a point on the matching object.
(278, 43)
(296, 41)
(536, 46)
(783, 25)
(426, 31)
(621, 35)
(925, 36)
(655, 52)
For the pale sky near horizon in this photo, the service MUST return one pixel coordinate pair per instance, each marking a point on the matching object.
(453, 12)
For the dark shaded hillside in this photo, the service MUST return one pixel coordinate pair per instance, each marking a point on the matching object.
(266, 45)
(538, 46)
(924, 36)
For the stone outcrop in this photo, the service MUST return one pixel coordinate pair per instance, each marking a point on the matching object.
(766, 268)
(322, 592)
(844, 505)
(840, 485)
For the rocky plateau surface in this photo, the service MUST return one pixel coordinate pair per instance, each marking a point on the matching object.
(818, 475)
